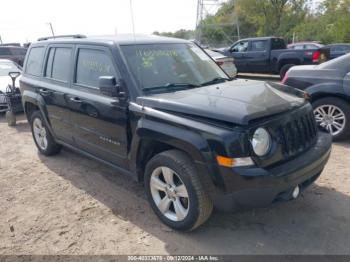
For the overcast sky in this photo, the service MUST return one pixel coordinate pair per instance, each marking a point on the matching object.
(26, 20)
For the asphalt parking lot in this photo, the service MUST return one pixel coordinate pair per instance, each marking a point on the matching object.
(69, 204)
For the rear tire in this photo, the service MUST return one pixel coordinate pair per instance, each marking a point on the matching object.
(196, 205)
(284, 69)
(335, 112)
(10, 118)
(42, 136)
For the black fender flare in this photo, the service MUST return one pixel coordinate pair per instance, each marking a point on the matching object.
(37, 100)
(178, 137)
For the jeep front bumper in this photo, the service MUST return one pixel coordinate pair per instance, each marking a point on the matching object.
(258, 187)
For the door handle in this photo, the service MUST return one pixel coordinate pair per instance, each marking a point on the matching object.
(44, 91)
(75, 99)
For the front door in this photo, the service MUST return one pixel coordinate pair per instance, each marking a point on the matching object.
(100, 121)
(239, 52)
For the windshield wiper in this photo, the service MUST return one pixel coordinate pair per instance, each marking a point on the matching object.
(215, 81)
(165, 86)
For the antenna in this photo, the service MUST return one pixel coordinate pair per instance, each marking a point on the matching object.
(51, 27)
(132, 18)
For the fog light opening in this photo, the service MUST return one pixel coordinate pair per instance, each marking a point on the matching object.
(296, 192)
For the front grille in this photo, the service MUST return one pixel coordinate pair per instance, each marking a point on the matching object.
(297, 135)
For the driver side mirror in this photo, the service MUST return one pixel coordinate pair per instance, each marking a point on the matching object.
(109, 86)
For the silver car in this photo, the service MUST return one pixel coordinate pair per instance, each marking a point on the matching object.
(226, 63)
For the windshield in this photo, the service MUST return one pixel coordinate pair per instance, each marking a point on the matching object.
(165, 66)
(6, 67)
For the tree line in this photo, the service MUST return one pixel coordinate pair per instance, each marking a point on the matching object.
(325, 21)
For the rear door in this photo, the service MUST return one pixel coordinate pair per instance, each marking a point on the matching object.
(257, 56)
(100, 121)
(55, 87)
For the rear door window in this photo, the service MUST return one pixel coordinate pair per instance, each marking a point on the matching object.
(35, 61)
(260, 45)
(91, 65)
(59, 63)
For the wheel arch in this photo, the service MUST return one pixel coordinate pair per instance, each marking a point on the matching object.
(152, 138)
(31, 102)
(327, 90)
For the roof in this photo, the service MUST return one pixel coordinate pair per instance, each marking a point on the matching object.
(123, 39)
(306, 42)
(261, 38)
(347, 44)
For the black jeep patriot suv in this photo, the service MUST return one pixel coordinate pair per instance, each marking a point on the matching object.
(161, 111)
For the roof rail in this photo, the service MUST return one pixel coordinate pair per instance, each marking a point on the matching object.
(61, 36)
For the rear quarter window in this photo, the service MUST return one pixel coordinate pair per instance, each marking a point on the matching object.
(277, 43)
(35, 61)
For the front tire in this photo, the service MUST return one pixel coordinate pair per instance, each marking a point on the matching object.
(42, 136)
(175, 191)
(333, 114)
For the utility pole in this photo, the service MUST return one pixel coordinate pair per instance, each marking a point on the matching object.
(0, 40)
(210, 7)
(236, 20)
(199, 20)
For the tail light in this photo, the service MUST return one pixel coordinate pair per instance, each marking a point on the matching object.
(220, 63)
(316, 56)
(284, 80)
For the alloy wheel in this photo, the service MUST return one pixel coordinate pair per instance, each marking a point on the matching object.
(169, 193)
(330, 117)
(40, 134)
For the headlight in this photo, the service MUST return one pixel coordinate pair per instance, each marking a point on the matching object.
(261, 142)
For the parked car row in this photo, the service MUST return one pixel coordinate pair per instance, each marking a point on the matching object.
(335, 50)
(271, 55)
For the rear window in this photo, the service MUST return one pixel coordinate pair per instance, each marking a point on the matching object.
(4, 51)
(35, 61)
(58, 63)
(277, 43)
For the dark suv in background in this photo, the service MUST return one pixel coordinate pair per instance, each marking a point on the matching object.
(163, 112)
(14, 53)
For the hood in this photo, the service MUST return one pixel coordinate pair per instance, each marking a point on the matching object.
(238, 101)
(317, 72)
(5, 81)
